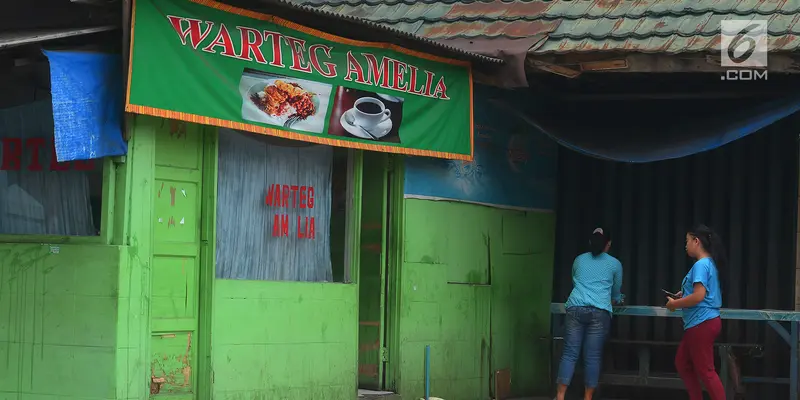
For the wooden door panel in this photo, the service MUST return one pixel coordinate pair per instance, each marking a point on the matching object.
(176, 261)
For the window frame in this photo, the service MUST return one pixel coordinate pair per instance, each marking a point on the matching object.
(352, 231)
(106, 216)
(352, 216)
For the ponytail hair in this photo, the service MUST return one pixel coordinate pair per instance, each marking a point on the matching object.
(712, 243)
(598, 241)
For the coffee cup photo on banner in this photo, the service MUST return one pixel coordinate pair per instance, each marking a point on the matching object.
(366, 115)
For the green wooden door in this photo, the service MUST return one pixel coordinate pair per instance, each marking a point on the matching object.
(176, 260)
(371, 282)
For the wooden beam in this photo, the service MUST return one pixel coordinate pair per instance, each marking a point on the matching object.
(21, 38)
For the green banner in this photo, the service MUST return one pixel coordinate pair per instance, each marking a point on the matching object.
(210, 63)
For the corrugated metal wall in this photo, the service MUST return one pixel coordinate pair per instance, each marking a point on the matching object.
(747, 191)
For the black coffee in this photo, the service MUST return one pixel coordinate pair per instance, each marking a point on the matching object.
(369, 108)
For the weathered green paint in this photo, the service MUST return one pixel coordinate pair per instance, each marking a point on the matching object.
(284, 340)
(133, 207)
(277, 340)
(475, 285)
(371, 272)
(149, 304)
(59, 306)
(177, 196)
(208, 228)
(74, 313)
(394, 257)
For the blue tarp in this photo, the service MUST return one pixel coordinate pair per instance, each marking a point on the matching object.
(654, 130)
(87, 104)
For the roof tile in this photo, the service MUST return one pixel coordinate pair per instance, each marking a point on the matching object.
(671, 26)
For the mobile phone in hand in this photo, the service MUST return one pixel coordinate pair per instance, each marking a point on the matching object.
(670, 294)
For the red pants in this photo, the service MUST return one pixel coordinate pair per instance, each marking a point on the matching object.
(695, 360)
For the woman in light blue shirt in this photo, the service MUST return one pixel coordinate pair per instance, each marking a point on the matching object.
(700, 299)
(597, 281)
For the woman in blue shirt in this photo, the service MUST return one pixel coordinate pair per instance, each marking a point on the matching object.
(597, 281)
(700, 299)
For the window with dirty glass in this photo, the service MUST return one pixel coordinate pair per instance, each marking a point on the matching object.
(39, 195)
(281, 209)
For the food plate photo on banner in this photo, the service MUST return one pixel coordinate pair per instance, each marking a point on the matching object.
(284, 101)
(253, 72)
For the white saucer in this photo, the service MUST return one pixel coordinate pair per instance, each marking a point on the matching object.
(378, 131)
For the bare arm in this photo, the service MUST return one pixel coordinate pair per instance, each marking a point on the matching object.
(691, 300)
(616, 290)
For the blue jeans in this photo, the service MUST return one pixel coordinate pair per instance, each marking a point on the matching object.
(587, 327)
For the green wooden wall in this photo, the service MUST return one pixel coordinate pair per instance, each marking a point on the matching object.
(284, 340)
(58, 308)
(474, 283)
(74, 312)
(475, 286)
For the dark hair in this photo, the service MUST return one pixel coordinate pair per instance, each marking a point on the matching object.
(598, 241)
(712, 243)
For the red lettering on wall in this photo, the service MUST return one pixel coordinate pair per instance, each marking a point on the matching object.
(305, 228)
(12, 154)
(280, 226)
(14, 148)
(285, 196)
(34, 144)
(270, 196)
(289, 196)
(294, 188)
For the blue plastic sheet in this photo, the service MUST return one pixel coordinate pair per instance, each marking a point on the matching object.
(87, 104)
(648, 131)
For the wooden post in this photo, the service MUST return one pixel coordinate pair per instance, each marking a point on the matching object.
(797, 248)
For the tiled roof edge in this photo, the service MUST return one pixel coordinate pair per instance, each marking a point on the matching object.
(394, 31)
